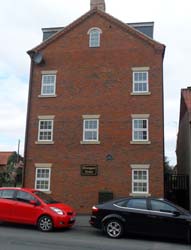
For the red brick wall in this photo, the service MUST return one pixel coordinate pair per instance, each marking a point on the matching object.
(96, 81)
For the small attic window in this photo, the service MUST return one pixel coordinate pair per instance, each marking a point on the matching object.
(94, 37)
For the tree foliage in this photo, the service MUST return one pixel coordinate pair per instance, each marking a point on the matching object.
(13, 171)
(168, 169)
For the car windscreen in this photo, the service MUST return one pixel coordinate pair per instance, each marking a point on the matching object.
(183, 210)
(45, 197)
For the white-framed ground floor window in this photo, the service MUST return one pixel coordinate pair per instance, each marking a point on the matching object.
(42, 178)
(140, 179)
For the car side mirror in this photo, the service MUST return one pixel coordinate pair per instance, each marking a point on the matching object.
(176, 213)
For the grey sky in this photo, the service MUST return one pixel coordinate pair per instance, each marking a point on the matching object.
(21, 22)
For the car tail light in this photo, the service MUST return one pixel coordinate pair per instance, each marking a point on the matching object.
(94, 209)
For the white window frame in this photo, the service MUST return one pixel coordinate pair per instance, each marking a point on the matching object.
(137, 82)
(140, 70)
(90, 130)
(45, 130)
(43, 84)
(42, 179)
(140, 181)
(140, 129)
(94, 37)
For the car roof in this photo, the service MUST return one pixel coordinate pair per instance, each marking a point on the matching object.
(18, 188)
(133, 197)
(139, 197)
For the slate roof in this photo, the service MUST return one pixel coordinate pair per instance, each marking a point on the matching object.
(145, 27)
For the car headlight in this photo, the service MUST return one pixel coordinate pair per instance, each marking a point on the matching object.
(57, 210)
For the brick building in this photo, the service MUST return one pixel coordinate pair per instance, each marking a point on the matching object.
(95, 111)
(183, 148)
(4, 157)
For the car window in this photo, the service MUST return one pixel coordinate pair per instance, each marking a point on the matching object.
(137, 203)
(162, 206)
(122, 203)
(7, 194)
(45, 197)
(24, 196)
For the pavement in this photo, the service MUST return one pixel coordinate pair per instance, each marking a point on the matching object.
(82, 221)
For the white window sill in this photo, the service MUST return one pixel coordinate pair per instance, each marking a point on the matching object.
(47, 96)
(47, 192)
(140, 93)
(90, 142)
(44, 191)
(140, 142)
(44, 142)
(139, 194)
(94, 46)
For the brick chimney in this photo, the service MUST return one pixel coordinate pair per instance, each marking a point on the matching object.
(99, 4)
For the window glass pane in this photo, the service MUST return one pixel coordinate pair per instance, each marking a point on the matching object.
(144, 135)
(122, 203)
(140, 81)
(140, 174)
(45, 132)
(136, 87)
(144, 124)
(140, 187)
(140, 127)
(42, 178)
(137, 203)
(91, 124)
(136, 135)
(94, 124)
(48, 84)
(86, 124)
(94, 135)
(8, 194)
(91, 130)
(95, 38)
(24, 196)
(136, 76)
(136, 123)
(140, 181)
(144, 76)
(162, 206)
(88, 135)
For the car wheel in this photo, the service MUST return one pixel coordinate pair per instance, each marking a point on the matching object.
(45, 223)
(114, 228)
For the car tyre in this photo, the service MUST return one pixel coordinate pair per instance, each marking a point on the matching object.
(114, 228)
(45, 223)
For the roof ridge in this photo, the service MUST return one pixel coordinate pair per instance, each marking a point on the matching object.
(131, 29)
(109, 17)
(64, 30)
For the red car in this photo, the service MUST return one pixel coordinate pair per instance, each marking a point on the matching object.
(30, 206)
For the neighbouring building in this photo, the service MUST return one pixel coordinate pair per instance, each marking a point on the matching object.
(4, 157)
(95, 111)
(183, 148)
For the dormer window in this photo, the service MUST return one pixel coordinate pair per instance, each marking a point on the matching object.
(94, 37)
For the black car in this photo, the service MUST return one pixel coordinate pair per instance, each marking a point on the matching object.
(148, 216)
